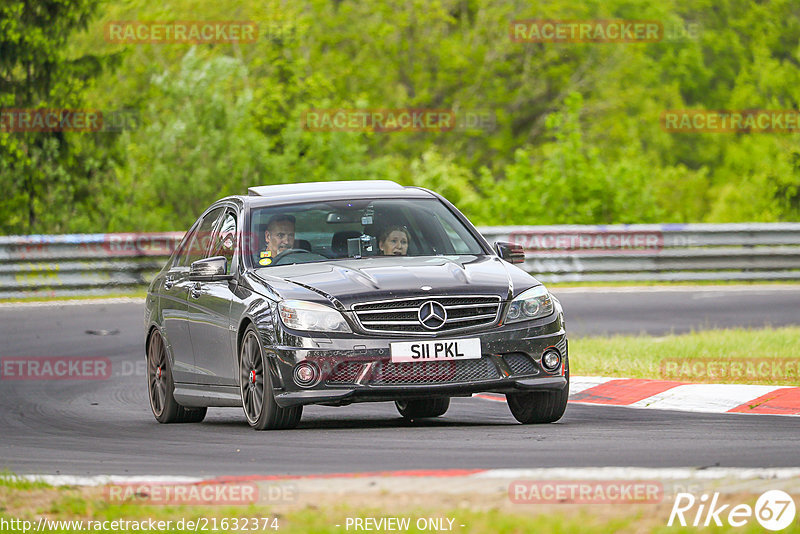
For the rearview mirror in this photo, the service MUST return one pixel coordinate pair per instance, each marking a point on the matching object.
(210, 270)
(511, 252)
(336, 217)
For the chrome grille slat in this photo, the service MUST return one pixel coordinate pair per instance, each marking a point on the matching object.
(466, 306)
(394, 310)
(471, 318)
(388, 322)
(400, 315)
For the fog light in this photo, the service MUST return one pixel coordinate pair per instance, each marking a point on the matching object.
(551, 359)
(306, 374)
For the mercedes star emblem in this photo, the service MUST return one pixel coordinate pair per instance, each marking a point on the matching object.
(432, 315)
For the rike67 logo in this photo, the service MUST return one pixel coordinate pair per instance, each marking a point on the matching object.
(774, 510)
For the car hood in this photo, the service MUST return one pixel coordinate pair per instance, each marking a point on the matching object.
(353, 281)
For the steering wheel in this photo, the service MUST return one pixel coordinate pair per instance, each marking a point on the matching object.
(286, 253)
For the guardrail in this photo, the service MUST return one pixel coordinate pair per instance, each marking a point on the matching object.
(657, 252)
(89, 264)
(81, 264)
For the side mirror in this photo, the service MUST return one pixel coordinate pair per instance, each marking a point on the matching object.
(511, 252)
(210, 270)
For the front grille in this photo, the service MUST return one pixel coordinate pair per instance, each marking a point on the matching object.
(521, 364)
(434, 372)
(345, 373)
(401, 315)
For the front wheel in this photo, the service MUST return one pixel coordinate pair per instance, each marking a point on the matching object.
(255, 383)
(418, 409)
(161, 387)
(540, 406)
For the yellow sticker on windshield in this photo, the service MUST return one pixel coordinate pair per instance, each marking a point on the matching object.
(265, 261)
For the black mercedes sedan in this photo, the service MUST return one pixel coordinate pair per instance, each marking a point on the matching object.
(340, 292)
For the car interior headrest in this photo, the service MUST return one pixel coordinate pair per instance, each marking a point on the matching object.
(339, 241)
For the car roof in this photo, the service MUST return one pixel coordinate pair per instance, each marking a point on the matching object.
(321, 191)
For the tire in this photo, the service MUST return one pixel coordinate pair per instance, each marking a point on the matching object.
(161, 387)
(419, 409)
(255, 385)
(540, 406)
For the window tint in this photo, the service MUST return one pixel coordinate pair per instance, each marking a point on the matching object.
(225, 239)
(199, 245)
(457, 240)
(352, 229)
(183, 248)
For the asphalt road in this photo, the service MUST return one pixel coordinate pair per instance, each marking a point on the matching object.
(658, 312)
(105, 427)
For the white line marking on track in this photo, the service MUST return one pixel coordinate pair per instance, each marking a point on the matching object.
(578, 384)
(604, 473)
(548, 473)
(709, 398)
(99, 480)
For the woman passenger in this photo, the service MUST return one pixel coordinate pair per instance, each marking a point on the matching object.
(393, 241)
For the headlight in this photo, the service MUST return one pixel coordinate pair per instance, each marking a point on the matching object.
(310, 316)
(531, 304)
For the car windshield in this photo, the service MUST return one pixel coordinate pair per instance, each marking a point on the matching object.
(323, 231)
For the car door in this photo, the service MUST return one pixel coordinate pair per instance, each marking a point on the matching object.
(209, 311)
(176, 293)
(174, 311)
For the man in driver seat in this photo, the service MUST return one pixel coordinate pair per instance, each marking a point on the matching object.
(279, 237)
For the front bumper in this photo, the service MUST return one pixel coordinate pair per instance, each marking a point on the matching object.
(358, 368)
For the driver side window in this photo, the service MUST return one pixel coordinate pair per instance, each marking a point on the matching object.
(225, 239)
(199, 245)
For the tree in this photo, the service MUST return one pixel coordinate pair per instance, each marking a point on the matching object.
(41, 172)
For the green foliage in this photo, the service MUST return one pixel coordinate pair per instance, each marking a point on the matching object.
(196, 142)
(41, 170)
(577, 136)
(564, 181)
(200, 142)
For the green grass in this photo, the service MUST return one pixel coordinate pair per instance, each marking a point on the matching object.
(667, 283)
(139, 293)
(11, 481)
(664, 357)
(322, 513)
(489, 521)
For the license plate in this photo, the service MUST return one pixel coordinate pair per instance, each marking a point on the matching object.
(438, 350)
